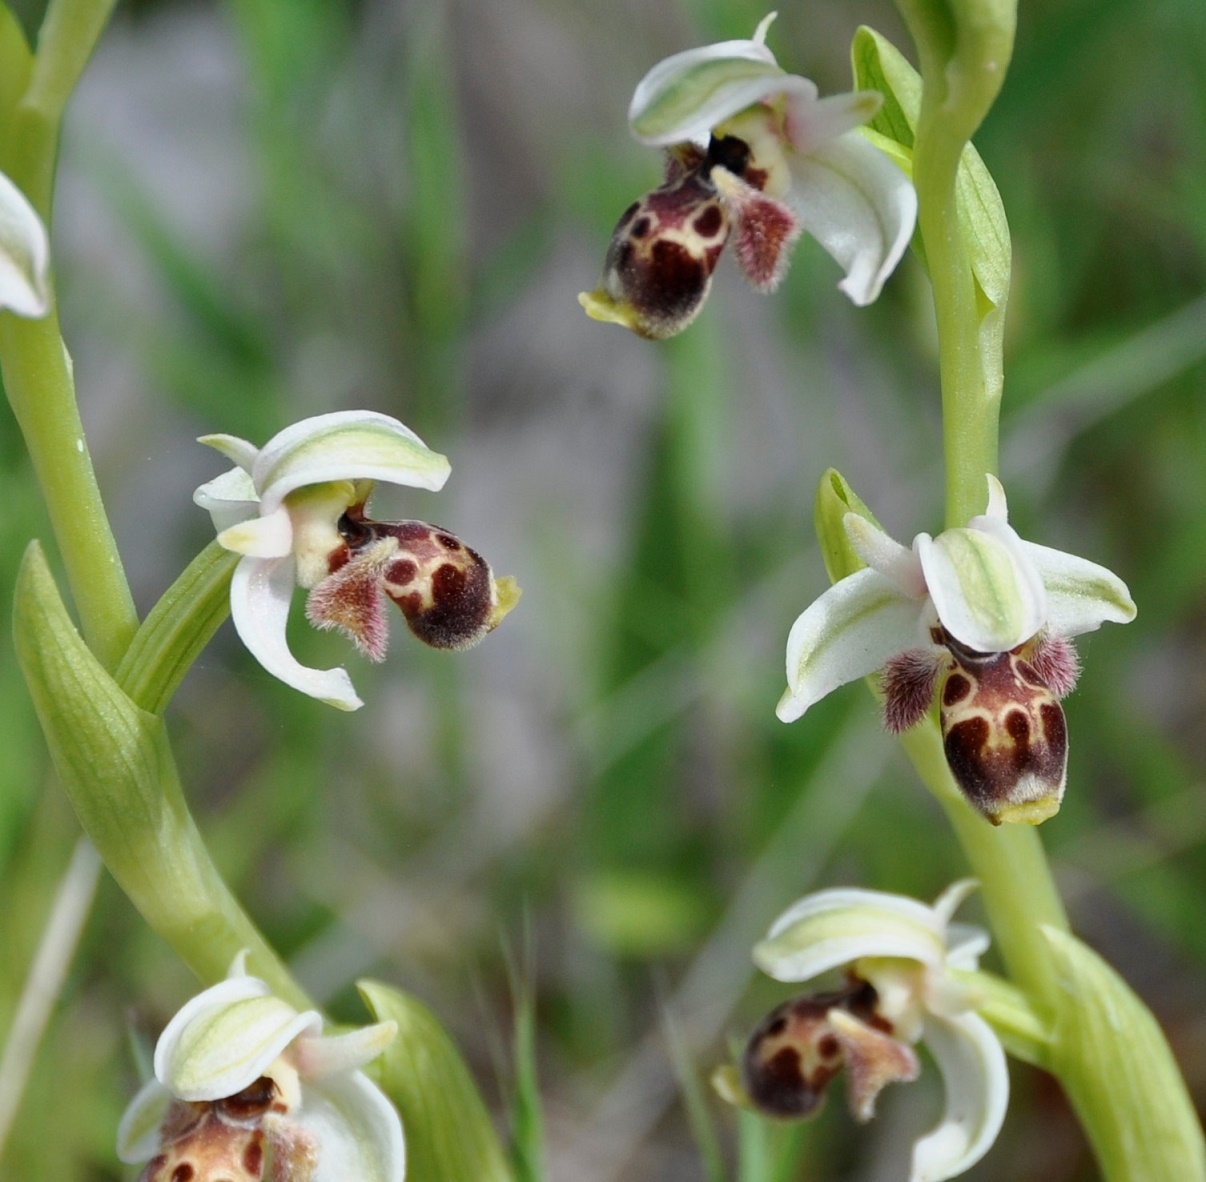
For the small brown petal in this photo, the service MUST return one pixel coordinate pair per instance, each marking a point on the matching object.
(873, 1060)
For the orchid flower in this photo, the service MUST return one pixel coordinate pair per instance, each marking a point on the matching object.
(295, 509)
(901, 961)
(242, 1079)
(980, 616)
(753, 154)
(24, 254)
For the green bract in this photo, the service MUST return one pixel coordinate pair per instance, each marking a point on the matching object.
(1113, 1059)
(448, 1130)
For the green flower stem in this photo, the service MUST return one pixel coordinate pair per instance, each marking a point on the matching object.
(35, 365)
(1098, 1038)
(964, 49)
(37, 377)
(1015, 880)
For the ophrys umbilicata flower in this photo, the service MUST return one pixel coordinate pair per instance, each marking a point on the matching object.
(756, 156)
(902, 963)
(242, 1079)
(980, 616)
(296, 510)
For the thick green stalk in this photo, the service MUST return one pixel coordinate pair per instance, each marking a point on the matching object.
(35, 365)
(963, 62)
(37, 377)
(1104, 1046)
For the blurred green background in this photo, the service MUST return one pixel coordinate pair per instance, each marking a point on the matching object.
(275, 208)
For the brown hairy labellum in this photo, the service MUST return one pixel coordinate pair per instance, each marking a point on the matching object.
(225, 1140)
(444, 588)
(803, 1043)
(662, 253)
(1004, 731)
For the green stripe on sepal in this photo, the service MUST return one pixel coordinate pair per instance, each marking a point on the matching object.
(835, 498)
(449, 1134)
(1115, 1064)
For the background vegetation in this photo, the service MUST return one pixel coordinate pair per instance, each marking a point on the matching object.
(271, 209)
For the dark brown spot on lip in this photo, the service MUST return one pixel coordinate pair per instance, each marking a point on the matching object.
(449, 541)
(640, 227)
(253, 1155)
(402, 572)
(184, 1172)
(956, 689)
(1017, 725)
(709, 221)
(964, 744)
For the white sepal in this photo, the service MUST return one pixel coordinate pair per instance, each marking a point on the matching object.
(837, 927)
(345, 445)
(226, 1037)
(138, 1133)
(229, 498)
(687, 94)
(849, 632)
(260, 592)
(1081, 596)
(858, 205)
(987, 592)
(357, 1128)
(237, 451)
(316, 1057)
(976, 1081)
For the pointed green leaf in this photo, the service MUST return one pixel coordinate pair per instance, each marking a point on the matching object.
(879, 65)
(449, 1134)
(1112, 1059)
(835, 498)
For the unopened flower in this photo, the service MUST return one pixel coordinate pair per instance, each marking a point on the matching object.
(245, 1083)
(753, 156)
(983, 619)
(901, 961)
(24, 254)
(296, 509)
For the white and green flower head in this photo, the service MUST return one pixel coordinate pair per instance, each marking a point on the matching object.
(756, 156)
(24, 255)
(978, 617)
(246, 1087)
(296, 510)
(900, 986)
